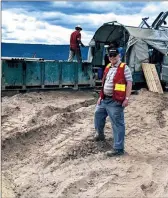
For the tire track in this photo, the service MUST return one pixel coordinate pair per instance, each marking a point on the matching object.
(57, 117)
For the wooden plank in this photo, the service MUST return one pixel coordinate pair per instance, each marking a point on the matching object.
(147, 77)
(156, 77)
(152, 77)
(151, 82)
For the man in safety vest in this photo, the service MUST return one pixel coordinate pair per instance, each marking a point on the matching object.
(114, 96)
(75, 42)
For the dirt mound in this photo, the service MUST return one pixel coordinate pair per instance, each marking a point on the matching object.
(8, 111)
(23, 117)
(87, 147)
(48, 148)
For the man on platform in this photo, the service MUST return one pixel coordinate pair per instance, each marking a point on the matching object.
(75, 42)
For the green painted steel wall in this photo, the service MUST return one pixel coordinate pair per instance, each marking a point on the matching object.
(12, 73)
(85, 73)
(33, 73)
(46, 73)
(51, 73)
(69, 73)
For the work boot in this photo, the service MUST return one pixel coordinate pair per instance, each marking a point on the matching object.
(99, 137)
(115, 152)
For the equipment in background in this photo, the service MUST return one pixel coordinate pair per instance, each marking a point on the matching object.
(143, 44)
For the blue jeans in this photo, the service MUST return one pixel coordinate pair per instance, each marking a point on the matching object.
(115, 111)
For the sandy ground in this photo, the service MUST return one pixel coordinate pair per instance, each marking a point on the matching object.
(48, 151)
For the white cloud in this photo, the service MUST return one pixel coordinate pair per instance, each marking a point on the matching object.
(155, 8)
(62, 4)
(93, 5)
(23, 27)
(50, 15)
(152, 10)
(104, 6)
(27, 29)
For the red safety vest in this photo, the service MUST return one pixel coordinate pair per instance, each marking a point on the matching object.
(119, 83)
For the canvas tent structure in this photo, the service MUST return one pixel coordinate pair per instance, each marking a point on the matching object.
(140, 45)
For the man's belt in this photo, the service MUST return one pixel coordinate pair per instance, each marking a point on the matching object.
(107, 97)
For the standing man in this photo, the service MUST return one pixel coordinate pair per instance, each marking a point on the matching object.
(75, 42)
(114, 96)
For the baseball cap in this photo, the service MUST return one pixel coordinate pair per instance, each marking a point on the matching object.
(113, 52)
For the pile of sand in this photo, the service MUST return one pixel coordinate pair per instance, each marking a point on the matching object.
(48, 150)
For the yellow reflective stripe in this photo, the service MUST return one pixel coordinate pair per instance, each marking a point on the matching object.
(122, 64)
(108, 65)
(120, 87)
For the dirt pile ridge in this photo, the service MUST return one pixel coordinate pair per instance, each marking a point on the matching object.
(48, 149)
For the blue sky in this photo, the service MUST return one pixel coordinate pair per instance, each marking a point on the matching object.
(52, 22)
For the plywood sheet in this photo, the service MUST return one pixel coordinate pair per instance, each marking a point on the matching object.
(152, 77)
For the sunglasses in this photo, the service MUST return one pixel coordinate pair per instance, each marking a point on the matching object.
(113, 55)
